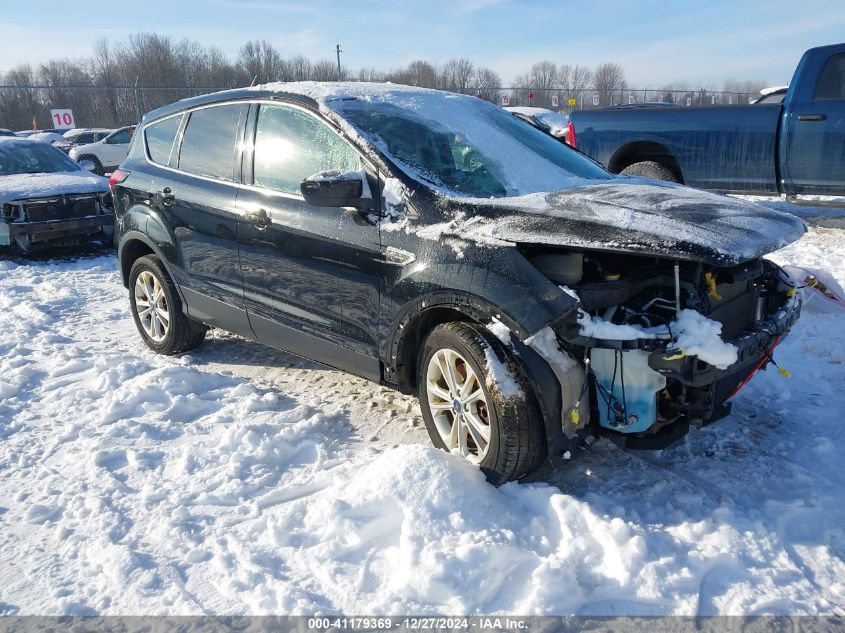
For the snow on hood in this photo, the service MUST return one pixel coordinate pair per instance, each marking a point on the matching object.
(23, 186)
(637, 215)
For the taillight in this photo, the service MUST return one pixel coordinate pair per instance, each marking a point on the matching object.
(117, 176)
(569, 134)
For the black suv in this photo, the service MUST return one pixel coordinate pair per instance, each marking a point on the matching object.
(434, 243)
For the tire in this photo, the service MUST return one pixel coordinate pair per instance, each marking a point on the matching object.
(177, 332)
(514, 425)
(98, 166)
(650, 169)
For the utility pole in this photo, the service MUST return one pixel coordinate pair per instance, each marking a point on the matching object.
(338, 51)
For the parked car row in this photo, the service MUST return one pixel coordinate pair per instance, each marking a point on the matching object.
(48, 199)
(100, 149)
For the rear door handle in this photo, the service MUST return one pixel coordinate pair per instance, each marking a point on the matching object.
(812, 117)
(259, 218)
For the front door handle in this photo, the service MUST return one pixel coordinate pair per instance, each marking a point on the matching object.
(259, 218)
(812, 117)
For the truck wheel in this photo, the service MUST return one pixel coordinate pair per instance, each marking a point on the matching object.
(650, 169)
(477, 402)
(157, 309)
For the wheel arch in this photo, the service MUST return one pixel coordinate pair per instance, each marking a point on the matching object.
(644, 150)
(133, 245)
(413, 328)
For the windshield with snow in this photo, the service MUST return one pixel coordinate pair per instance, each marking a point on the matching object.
(33, 158)
(465, 146)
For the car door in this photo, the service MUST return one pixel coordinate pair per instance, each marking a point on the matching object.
(195, 191)
(115, 147)
(814, 150)
(311, 274)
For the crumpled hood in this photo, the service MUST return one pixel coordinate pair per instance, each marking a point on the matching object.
(24, 186)
(638, 215)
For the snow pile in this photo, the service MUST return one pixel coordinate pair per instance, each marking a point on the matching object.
(692, 332)
(696, 335)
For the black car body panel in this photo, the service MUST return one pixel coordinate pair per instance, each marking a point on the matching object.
(643, 216)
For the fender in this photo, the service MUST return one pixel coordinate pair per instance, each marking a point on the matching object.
(140, 224)
(500, 285)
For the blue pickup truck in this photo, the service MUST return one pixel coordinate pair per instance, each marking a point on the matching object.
(795, 147)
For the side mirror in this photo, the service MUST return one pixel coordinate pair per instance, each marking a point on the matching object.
(336, 189)
(87, 165)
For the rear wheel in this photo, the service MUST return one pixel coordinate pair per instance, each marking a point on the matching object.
(477, 402)
(650, 169)
(157, 310)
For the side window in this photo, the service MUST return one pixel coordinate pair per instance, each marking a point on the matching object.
(120, 138)
(208, 145)
(291, 145)
(831, 83)
(159, 137)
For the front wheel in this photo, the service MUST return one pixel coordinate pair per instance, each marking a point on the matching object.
(477, 402)
(157, 310)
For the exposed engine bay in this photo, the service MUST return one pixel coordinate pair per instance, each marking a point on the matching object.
(629, 335)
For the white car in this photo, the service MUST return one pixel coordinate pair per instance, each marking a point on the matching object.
(106, 154)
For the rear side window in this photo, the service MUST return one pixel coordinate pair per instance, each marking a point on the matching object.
(291, 145)
(208, 144)
(120, 138)
(160, 137)
(831, 83)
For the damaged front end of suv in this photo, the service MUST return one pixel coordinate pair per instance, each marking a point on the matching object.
(665, 342)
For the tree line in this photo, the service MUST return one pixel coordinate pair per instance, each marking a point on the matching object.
(120, 81)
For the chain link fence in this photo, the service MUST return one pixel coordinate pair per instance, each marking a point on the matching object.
(29, 107)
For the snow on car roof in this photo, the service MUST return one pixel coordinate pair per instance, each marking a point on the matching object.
(480, 127)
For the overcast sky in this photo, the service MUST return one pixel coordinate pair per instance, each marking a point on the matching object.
(655, 40)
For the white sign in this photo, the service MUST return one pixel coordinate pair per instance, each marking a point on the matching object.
(62, 119)
(595, 99)
(712, 99)
(506, 100)
(631, 99)
(554, 101)
(689, 101)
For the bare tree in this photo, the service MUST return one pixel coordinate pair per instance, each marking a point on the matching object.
(574, 80)
(609, 80)
(488, 83)
(419, 73)
(457, 75)
(300, 68)
(261, 62)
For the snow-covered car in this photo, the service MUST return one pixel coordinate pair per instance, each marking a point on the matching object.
(548, 121)
(107, 153)
(84, 136)
(46, 199)
(433, 243)
(53, 138)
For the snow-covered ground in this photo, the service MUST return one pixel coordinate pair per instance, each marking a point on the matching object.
(239, 479)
